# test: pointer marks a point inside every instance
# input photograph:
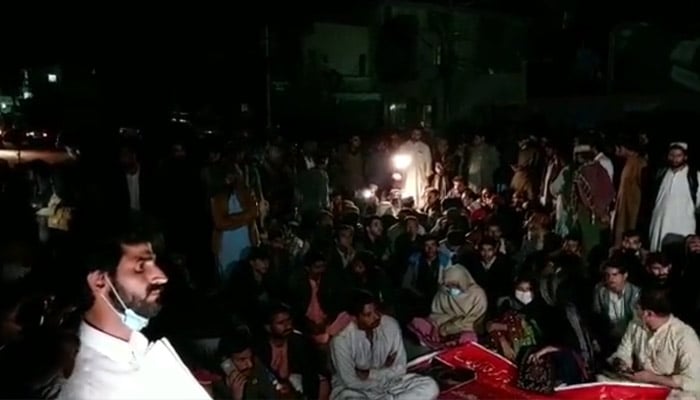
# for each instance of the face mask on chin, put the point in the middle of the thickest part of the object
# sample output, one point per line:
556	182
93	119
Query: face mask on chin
129	317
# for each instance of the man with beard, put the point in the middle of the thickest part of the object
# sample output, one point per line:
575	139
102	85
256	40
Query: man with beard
676	200
633	255
369	358
658	271
660	274
115	360
289	356
631	245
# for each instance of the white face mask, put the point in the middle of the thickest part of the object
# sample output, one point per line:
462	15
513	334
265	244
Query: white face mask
129	317
524	297
454	292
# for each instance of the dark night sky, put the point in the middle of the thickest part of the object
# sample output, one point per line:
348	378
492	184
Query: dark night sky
204	51
132	32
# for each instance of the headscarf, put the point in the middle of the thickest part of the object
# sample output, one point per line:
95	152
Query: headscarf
460	313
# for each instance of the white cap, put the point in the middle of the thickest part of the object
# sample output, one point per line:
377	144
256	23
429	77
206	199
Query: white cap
682	145
582	148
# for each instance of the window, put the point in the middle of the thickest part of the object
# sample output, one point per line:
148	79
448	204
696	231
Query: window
437	55
427	115
397	115
362	67
52	78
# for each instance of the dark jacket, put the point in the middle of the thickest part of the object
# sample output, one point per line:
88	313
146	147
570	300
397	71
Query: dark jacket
247	296
497	281
300	295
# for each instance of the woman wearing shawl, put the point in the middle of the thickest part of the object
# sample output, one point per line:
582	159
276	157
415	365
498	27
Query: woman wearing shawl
566	343
456	313
516	323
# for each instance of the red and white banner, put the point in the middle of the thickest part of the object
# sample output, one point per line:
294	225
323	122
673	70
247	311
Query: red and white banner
495	378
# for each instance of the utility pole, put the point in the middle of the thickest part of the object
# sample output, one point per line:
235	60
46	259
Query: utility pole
448	58
268	80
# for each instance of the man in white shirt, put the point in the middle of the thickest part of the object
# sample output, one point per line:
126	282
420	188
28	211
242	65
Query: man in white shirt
673	217
115	360
417	174
369	358
658	348
604	161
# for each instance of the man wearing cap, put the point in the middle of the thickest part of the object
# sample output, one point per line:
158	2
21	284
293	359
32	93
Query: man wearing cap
676	200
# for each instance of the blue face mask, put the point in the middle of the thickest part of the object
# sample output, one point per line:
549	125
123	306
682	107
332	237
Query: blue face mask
129	317
454	292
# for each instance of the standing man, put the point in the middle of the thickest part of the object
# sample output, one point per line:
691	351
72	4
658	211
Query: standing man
484	160
369	358
593	194
417	175
551	172
603	160
676	200
629	195
525	168
115	360
352	163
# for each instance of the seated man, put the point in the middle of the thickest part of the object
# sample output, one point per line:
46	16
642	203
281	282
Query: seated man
290	356
369	358
659	348
614	302
245	377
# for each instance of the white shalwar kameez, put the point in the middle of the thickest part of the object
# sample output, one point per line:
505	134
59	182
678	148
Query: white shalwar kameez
416	175
352	349
674	211
112	369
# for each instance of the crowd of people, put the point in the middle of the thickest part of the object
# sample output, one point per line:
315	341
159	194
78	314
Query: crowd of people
253	268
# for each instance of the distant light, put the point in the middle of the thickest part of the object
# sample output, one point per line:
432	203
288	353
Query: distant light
26	95
3	106
392	107
367	193
53	78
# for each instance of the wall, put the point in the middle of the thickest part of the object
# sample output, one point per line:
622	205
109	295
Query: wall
338	47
